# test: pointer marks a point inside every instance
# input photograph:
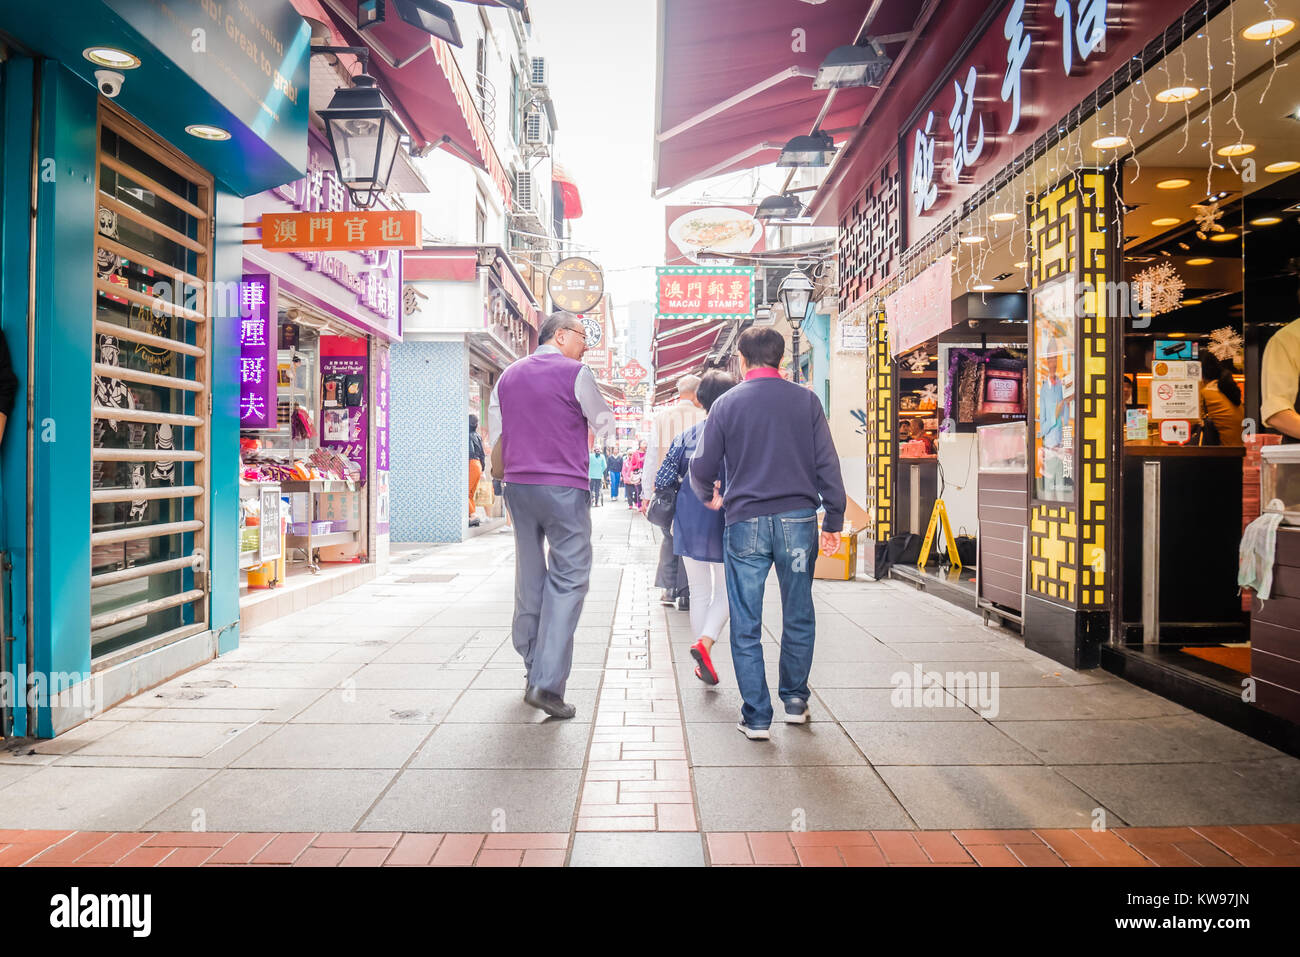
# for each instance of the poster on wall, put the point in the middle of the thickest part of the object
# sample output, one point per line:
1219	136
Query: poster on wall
984	387
1054	383
344	361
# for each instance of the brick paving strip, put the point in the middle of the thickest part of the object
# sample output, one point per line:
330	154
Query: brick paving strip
637	776
1258	845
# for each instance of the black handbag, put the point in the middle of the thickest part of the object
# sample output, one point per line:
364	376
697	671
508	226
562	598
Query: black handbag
663	507
966	549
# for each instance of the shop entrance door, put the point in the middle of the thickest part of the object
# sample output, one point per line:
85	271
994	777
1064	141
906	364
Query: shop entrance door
149	394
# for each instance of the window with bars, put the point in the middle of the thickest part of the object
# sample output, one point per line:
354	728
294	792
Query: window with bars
149	392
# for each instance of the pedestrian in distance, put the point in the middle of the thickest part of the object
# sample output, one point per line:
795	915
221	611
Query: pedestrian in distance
771	440
632	465
542	410
697	533
596	475
477	462
614	466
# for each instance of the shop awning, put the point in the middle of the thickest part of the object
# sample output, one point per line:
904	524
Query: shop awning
568	190
735	79
682	350
419	74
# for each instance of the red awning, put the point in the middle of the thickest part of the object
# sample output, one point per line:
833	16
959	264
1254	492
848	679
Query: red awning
569	190
683	350
420	76
732	90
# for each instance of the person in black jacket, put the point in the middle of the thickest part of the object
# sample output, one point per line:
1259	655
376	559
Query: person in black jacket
477	462
614	469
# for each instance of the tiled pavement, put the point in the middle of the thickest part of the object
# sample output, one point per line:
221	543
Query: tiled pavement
387	726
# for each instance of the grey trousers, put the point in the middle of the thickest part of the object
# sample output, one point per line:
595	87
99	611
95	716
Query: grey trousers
549	588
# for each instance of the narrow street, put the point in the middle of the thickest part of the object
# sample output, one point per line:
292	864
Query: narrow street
387	726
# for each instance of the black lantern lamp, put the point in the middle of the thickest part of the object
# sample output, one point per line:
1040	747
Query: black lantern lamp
852	66
780	206
796	295
364	134
816	149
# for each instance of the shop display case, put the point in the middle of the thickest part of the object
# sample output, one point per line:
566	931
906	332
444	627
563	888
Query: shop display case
1003	497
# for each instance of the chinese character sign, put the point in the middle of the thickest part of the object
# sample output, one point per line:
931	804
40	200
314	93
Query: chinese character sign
351	230
720	293
257	336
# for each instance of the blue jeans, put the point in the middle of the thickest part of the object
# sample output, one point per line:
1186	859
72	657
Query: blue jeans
614	479
751	547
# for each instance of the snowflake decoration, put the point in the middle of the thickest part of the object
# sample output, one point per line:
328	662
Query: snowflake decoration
1226	345
917	361
930	396
1159	289
1207	219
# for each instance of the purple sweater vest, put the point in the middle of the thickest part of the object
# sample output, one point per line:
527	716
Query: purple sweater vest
542	424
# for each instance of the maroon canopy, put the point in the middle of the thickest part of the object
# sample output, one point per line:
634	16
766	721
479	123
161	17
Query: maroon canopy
732	90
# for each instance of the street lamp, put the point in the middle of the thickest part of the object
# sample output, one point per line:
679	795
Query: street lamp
364	134
796	295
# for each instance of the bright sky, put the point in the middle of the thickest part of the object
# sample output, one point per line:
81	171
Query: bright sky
601	55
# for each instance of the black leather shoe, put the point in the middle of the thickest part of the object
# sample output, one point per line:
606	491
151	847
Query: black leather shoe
549	702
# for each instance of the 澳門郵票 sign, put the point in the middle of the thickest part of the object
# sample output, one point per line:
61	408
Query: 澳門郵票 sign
706	293
257	334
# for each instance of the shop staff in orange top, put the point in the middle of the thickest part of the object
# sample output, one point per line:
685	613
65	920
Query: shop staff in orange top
477	462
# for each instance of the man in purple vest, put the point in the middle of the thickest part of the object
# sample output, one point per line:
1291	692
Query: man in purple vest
541	410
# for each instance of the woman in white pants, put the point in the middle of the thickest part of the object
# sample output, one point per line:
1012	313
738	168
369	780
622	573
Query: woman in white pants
697	534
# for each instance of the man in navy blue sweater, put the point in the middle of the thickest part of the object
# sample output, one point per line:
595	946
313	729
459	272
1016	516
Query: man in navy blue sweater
781	465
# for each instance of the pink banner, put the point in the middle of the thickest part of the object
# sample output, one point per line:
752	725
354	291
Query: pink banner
921	309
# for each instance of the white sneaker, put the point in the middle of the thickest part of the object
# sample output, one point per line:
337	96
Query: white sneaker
754	734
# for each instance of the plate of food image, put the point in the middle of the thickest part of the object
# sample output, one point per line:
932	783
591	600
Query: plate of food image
717	229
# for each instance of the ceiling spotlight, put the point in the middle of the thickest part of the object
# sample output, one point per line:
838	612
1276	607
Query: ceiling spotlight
814	150
111	57
972	240
1176	183
853	66
1109	142
1269	29
780	206
206	132
1002	217
1166	221
1223	237
1177	94
1001	276
1236	149
1199	261
1023	264
982	287
1266	221
1285	166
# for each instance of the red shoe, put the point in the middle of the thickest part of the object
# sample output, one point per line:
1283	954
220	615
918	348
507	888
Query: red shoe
705	670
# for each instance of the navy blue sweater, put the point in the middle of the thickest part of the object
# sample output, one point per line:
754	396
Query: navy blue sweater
773	437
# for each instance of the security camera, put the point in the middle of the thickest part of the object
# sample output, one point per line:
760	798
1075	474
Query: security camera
109	82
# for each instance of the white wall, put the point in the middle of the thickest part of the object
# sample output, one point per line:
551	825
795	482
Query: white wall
959	459
449	307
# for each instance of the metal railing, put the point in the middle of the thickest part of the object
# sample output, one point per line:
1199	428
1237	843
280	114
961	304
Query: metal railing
487	102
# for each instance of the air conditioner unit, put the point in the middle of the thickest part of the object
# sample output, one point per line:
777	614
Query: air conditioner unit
535	129
525	197
538	71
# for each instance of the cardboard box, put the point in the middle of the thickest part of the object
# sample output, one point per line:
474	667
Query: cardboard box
843	565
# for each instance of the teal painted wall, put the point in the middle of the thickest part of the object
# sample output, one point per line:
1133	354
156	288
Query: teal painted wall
65	301
817	341
16	80
223	510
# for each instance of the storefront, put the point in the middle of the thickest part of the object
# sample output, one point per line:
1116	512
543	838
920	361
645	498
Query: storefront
122	281
468	315
1123	211
314	406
